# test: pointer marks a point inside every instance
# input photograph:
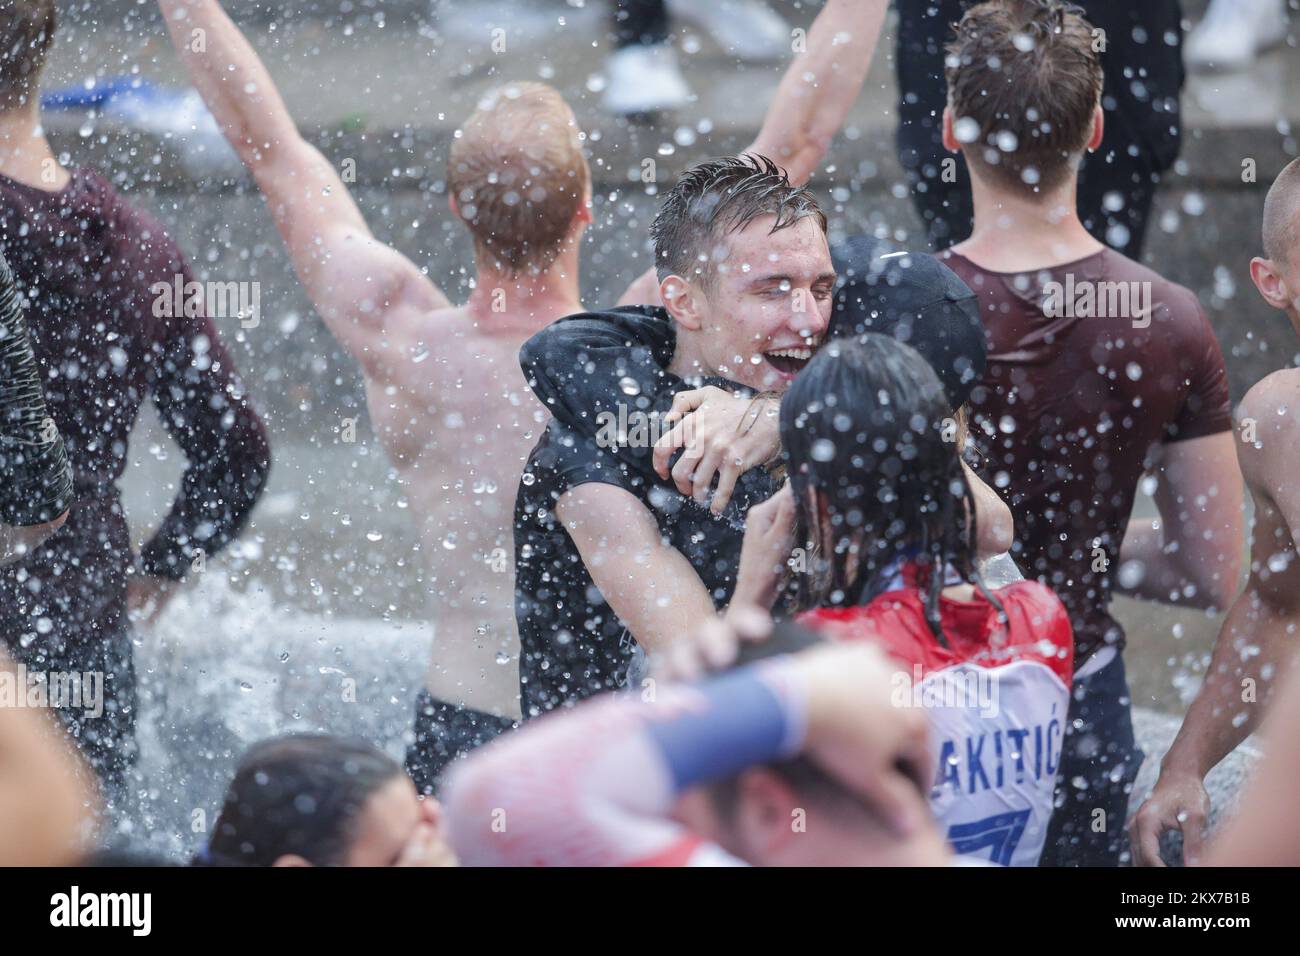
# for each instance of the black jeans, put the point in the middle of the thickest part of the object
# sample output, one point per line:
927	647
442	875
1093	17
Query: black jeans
444	732
1143	119
107	740
1099	762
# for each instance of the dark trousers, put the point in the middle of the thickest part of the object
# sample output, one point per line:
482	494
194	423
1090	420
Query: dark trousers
640	21
443	733
107	742
1099	763
1117	184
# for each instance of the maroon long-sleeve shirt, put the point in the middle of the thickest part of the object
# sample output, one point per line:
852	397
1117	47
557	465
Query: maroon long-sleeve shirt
85	261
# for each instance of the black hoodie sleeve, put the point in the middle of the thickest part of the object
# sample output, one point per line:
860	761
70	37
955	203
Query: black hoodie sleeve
584	367
35	480
588	368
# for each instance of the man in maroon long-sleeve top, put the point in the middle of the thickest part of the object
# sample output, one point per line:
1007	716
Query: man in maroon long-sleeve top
85	262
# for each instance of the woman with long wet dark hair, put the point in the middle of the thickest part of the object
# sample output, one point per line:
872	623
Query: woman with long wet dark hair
874	539
877	480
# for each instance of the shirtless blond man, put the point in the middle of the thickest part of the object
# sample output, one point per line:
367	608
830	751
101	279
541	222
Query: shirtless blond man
443	386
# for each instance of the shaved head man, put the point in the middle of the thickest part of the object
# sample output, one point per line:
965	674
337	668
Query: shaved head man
1257	645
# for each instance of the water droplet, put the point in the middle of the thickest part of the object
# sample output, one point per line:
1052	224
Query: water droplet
823	449
966	129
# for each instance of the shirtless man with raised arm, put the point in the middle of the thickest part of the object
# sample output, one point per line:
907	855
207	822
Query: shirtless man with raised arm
443	385
1258	642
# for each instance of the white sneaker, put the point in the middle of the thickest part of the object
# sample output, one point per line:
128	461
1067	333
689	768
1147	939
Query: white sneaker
644	78
1233	32
747	29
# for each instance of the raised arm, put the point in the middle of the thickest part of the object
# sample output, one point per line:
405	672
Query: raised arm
820	86
357	284
994	524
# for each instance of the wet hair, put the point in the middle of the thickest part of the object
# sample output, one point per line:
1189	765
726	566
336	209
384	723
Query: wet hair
517	173
868	429
719	197
26	34
1028	73
1282	214
301	795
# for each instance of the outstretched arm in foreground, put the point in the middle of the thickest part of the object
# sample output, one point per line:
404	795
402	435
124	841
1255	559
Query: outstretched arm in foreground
596	785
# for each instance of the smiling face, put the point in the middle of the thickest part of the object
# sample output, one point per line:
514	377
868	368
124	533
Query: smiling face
762	307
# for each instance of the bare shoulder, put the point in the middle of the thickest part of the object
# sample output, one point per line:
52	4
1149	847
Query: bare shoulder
1268	424
1273	404
426	350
